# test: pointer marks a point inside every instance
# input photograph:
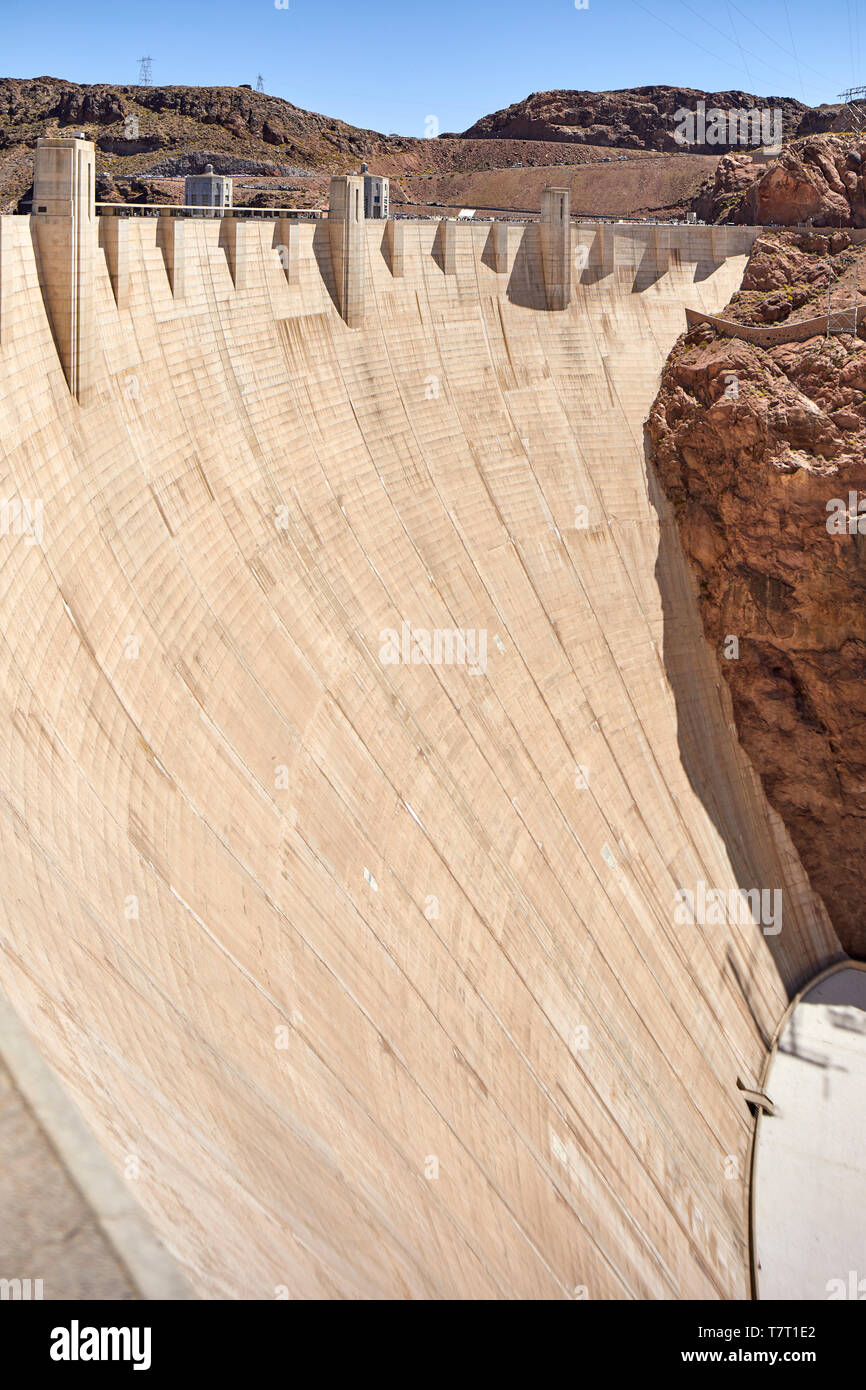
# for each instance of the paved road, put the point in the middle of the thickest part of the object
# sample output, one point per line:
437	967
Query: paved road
47	1230
67	1217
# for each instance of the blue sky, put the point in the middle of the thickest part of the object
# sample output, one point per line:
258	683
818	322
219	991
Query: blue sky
389	64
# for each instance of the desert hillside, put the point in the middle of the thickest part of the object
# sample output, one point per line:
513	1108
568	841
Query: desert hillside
616	151
640	119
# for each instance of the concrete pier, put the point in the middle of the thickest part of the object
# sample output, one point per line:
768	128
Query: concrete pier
234	236
662	244
114	240
288	247
607	240
347	243
64	220
499	239
171	238
447	239
394	247
556	246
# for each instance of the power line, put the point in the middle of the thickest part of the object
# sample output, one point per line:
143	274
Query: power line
688	39
260	83
794	46
737	37
756	56
710	25
854	39
674	30
774	40
144	72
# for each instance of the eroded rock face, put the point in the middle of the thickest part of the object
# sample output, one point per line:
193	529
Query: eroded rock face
818	179
763	455
790	274
130	123
734	174
640	118
25	107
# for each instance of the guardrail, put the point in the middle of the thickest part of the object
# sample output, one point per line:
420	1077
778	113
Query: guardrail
192	210
841	321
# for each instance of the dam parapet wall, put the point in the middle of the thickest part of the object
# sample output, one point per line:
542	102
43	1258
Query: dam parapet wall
537	264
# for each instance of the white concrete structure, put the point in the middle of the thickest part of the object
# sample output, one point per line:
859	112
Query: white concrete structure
372	957
810	1172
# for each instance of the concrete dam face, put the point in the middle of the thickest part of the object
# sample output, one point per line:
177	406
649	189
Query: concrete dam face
366	784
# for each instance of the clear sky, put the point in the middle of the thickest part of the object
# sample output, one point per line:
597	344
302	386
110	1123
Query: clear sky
389	64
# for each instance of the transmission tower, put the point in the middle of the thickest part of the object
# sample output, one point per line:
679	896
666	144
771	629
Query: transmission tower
145	75
260	83
857	113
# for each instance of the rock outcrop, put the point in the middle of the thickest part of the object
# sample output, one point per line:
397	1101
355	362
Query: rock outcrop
643	118
132	125
818	179
734	174
26	107
763	456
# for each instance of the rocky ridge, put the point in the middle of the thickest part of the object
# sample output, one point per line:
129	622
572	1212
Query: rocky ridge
638	118
139	128
818	179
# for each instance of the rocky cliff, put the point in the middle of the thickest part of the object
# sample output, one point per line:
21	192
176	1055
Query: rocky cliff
138	127
817	179
763	454
168	116
643	118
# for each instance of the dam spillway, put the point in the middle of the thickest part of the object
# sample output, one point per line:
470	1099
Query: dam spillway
374	964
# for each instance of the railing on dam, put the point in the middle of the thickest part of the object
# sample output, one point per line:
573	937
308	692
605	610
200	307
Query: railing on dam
194	210
838	321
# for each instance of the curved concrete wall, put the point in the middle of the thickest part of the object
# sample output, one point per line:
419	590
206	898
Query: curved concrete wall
376	967
841	321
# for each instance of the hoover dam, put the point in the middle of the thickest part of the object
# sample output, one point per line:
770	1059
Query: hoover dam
360	746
